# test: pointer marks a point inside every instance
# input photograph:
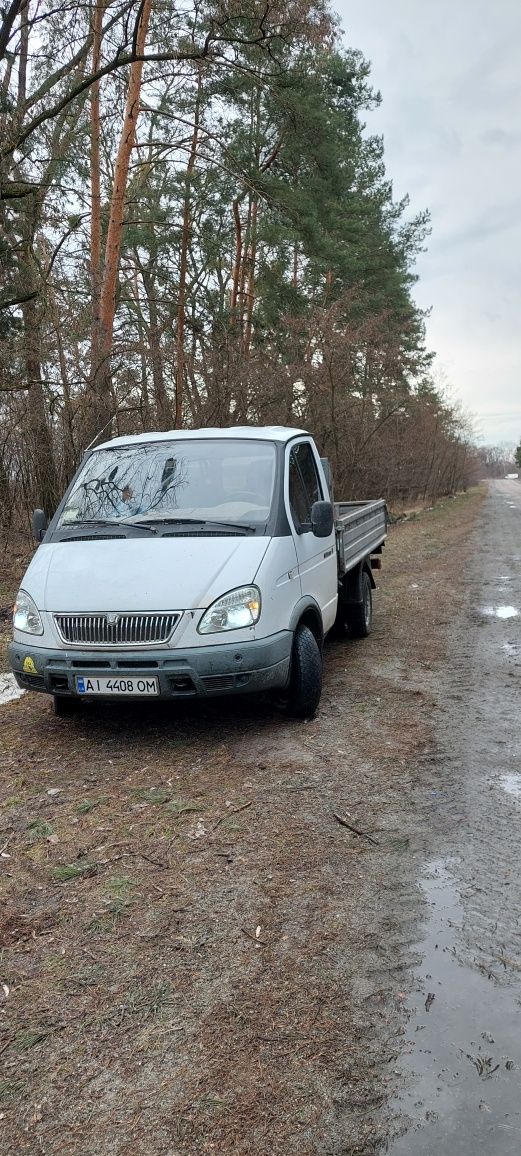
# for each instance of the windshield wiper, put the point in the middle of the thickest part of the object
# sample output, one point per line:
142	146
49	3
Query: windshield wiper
106	522
206	522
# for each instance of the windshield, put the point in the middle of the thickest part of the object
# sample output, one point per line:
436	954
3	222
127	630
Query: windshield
222	480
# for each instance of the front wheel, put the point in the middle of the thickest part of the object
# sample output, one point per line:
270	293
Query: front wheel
64	705
302	696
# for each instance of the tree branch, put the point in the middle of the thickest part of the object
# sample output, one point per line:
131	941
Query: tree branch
7	25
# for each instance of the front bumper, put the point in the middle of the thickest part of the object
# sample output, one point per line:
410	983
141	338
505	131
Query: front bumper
247	667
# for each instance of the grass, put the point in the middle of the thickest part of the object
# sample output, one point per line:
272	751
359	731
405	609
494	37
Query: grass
66	872
231	824
39	830
30	1038
13	801
89	804
119	894
10	1090
55	966
152	795
142	1003
178	807
117	900
87	977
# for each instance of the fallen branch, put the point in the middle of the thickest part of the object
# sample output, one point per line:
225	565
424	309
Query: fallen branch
355	830
6	844
303	787
280	1039
254	937
234	812
155	862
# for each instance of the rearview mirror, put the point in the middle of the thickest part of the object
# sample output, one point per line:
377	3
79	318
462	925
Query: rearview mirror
39	525
322	519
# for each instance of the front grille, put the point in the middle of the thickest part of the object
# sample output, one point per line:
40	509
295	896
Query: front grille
115	629
219	681
35	681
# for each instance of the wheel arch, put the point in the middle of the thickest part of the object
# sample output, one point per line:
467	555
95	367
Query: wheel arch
307	612
351	583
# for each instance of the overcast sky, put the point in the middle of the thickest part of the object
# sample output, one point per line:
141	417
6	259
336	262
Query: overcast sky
449	72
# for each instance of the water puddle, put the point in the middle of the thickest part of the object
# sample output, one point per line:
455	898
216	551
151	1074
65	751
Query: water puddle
500	611
463	1043
511	783
509	647
9	690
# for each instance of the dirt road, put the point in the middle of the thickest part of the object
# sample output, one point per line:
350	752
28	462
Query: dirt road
464	1046
198	958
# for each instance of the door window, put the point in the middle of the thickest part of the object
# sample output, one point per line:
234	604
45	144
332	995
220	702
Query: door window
304	485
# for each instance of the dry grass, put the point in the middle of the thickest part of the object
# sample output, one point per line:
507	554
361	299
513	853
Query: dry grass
145	1015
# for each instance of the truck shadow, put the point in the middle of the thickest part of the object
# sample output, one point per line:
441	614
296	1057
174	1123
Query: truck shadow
192	717
180	718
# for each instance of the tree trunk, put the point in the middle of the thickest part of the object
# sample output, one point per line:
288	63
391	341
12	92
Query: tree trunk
100	407
250	276
183	260
45	480
161	398
95	190
238	255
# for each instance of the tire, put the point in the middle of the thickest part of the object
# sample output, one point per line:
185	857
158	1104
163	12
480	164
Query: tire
64	705
361	617
302	695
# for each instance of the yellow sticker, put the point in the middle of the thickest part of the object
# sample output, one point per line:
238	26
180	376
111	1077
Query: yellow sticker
29	667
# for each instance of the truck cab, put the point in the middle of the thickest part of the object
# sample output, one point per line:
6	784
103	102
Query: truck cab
184	564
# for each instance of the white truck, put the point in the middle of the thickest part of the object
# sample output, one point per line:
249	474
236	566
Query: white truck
195	563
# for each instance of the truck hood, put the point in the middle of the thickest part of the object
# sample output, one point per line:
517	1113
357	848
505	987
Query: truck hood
140	574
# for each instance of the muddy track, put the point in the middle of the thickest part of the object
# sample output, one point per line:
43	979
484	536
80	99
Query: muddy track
200	958
464	1051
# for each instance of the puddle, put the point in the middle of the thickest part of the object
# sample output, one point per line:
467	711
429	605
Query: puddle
9	690
463	1043
509	648
511	783
500	611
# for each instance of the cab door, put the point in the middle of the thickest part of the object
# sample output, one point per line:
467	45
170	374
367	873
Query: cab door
316	557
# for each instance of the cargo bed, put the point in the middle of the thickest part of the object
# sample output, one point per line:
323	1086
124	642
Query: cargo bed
361	529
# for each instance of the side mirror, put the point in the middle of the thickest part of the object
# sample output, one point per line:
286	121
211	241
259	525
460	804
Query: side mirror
39	525
322	519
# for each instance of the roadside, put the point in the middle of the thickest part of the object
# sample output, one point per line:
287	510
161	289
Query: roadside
462	1054
197	956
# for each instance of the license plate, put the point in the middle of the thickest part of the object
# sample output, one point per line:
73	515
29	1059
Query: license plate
137	687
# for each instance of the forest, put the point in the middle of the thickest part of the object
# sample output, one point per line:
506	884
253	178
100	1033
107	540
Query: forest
197	228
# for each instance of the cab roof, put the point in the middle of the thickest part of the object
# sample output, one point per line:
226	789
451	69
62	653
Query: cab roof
271	433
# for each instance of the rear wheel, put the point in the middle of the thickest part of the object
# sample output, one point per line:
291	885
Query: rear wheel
302	696
64	705
361	616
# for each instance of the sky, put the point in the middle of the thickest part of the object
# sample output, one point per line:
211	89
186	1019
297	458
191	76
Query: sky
449	72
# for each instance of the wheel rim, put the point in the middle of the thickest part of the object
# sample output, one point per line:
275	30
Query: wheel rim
367	606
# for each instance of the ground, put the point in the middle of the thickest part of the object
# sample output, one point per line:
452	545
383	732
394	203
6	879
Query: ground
198	956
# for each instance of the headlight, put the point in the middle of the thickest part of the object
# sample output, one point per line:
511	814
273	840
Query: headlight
25	615
233	611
